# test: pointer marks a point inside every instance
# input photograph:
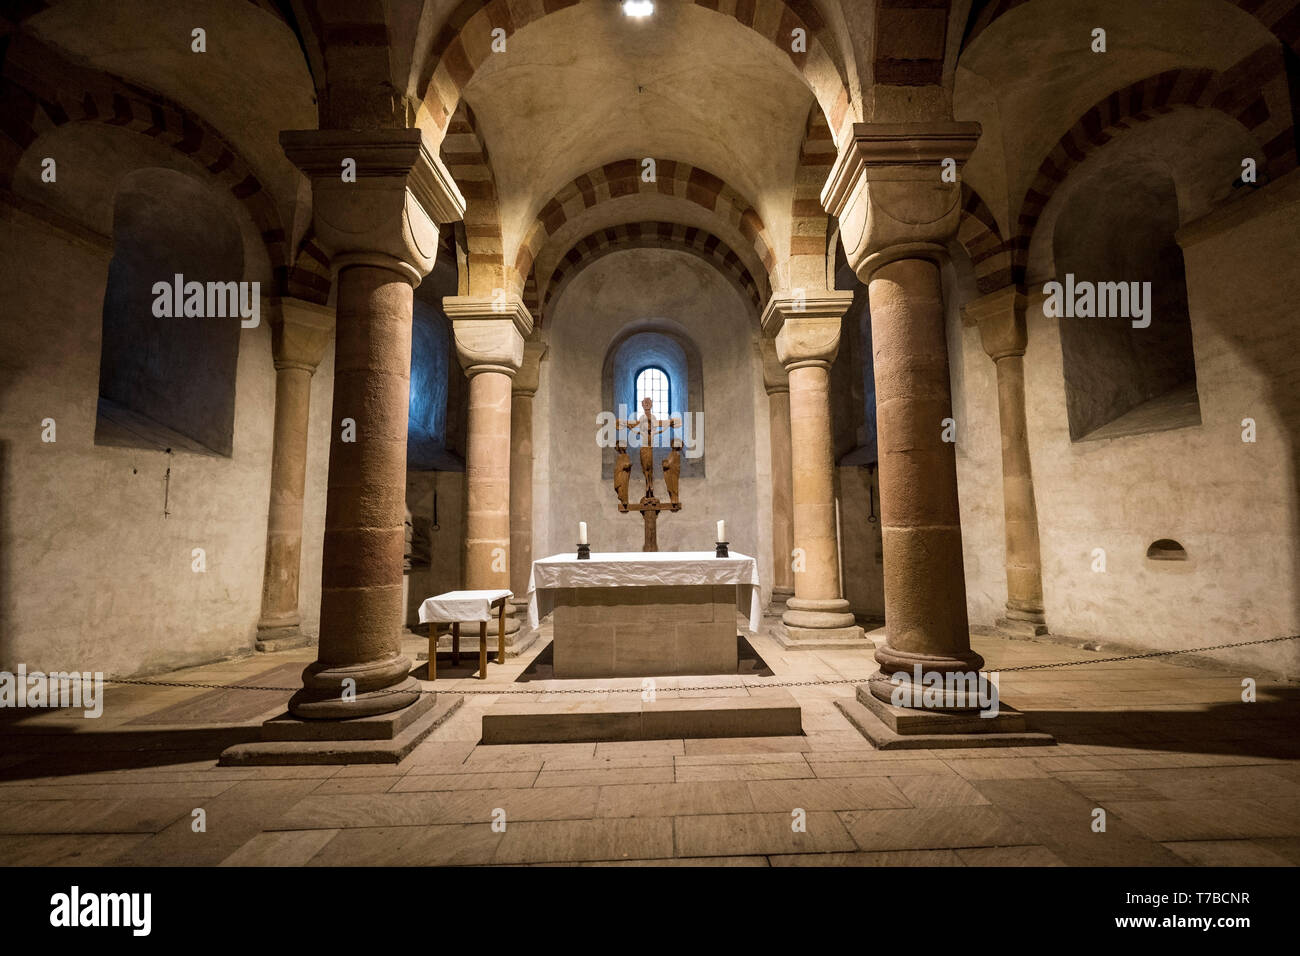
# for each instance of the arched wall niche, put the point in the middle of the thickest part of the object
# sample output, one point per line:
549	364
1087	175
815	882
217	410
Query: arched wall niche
1135	372
1200	150
1114	219
662	345
93	162
168	382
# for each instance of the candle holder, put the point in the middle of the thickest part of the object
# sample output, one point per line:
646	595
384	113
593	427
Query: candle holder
722	550
584	552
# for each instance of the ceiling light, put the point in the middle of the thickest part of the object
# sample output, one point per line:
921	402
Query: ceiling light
638	8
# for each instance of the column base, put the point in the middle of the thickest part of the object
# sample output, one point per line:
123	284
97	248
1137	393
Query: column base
355	690
1022	625
812	638
779	598
888	727
270	639
381	738
814	623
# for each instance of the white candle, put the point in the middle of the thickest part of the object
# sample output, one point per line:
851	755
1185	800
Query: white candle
582	532
722	531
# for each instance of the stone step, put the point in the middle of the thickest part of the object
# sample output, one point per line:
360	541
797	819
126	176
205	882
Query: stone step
322	742
627	717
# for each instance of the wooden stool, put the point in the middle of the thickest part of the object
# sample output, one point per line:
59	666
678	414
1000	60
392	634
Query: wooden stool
456	607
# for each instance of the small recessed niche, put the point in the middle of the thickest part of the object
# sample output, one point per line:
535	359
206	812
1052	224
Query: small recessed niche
1166	549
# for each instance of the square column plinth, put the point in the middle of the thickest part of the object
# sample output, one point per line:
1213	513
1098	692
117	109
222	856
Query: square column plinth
652	631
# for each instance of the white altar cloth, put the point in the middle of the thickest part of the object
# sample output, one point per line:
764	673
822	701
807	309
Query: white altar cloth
618	569
460	607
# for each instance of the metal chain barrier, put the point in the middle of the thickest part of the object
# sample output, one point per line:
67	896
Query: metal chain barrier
638	690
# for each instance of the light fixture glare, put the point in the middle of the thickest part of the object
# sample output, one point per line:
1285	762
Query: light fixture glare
638	8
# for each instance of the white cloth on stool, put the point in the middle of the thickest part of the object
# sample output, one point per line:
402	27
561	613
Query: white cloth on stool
644	569
460	607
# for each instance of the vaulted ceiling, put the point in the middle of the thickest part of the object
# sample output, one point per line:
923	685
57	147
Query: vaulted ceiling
546	110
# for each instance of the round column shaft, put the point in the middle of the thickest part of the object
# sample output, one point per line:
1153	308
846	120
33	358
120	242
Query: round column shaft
925	589
521	492
487	468
284	515
778	403
360	669
1024	575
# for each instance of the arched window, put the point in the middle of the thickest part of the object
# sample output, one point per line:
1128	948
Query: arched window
663	364
652	383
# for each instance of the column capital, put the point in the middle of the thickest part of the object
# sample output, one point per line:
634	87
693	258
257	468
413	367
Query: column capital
300	333
1000	316
389	216
888	192
526	379
775	378
489	331
805	327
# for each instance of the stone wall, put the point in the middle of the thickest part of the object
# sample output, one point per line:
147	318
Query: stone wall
444	570
92	575
1231	504
666	289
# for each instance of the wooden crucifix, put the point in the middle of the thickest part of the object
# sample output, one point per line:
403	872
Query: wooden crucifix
648	428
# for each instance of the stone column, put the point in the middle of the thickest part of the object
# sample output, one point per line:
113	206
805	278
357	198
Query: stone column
777	384
382	236
897	211
807	338
522	390
490	345
1000	316
300	333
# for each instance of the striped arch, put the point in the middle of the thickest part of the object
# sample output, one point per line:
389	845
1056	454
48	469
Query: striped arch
623	178
1279	17
806	266
654	235
464	43
466	159
1253	92
310	277
980	236
41	92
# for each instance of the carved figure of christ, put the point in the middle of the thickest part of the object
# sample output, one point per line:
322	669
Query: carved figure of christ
648	428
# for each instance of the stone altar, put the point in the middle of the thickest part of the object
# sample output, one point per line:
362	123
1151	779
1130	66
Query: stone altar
644	614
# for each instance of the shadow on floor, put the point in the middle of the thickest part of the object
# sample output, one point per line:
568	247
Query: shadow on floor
60	753
1266	728
751	664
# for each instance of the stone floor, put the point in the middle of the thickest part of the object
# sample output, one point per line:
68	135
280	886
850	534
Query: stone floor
1186	774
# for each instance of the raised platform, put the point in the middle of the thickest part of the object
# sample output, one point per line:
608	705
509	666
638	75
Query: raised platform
383	738
905	728
627	717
